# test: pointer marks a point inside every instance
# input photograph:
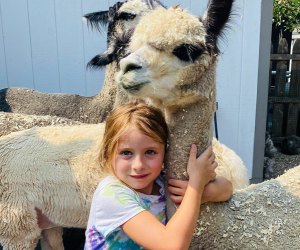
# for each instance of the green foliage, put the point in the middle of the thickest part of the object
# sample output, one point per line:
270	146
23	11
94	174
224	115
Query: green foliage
286	13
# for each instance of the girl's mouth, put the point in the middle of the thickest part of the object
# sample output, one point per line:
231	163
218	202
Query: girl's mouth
139	176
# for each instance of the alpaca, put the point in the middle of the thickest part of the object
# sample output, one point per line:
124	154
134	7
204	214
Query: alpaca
60	172
172	63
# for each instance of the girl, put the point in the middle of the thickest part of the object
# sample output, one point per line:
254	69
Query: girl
128	207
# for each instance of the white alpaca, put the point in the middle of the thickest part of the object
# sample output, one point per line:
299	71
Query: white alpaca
172	62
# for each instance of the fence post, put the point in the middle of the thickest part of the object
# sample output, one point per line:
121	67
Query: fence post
280	85
293	110
295	72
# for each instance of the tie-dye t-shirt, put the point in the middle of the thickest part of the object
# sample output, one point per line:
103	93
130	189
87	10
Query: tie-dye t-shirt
113	204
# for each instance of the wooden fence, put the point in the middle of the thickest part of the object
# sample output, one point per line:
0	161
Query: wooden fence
284	92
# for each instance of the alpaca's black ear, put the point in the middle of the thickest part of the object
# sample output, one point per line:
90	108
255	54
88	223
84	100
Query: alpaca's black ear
215	19
97	20
153	4
115	52
100	61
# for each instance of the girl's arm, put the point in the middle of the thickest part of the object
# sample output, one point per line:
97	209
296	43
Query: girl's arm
218	190
148	232
215	191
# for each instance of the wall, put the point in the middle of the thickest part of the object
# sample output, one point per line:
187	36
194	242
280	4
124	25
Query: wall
45	45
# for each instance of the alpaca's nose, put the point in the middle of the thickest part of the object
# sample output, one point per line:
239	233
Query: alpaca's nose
128	64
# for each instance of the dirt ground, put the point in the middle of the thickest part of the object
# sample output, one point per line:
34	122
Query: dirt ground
283	162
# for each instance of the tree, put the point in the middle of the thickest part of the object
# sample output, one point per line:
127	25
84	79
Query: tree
286	14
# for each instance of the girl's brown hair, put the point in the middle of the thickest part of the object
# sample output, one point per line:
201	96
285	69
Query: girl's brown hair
148	119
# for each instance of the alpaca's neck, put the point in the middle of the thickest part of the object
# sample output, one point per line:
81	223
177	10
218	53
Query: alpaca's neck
191	123
100	105
109	85
188	125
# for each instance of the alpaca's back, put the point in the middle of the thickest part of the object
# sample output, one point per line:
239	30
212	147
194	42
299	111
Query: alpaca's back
54	169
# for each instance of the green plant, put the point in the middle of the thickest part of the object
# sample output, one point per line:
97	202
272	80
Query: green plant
286	14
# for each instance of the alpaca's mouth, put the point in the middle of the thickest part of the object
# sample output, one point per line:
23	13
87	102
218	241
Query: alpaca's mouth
133	88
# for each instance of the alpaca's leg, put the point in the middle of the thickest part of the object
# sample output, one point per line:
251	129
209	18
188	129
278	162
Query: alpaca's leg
18	226
52	239
25	244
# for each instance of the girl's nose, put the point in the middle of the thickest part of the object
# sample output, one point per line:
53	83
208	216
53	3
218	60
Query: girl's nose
137	163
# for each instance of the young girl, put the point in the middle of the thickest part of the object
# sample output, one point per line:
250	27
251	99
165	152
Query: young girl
128	207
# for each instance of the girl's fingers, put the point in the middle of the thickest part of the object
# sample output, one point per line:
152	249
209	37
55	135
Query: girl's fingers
176	190
193	152
176	199
215	164
177	183
212	158
207	153
177	187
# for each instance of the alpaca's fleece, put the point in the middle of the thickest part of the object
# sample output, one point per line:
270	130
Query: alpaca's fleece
230	165
180	27
135	7
261	216
55	169
13	122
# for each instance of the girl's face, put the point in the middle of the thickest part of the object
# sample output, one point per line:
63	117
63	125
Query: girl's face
138	160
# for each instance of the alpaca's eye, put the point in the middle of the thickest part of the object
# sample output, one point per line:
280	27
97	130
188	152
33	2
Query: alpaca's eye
126	16
187	52
155	47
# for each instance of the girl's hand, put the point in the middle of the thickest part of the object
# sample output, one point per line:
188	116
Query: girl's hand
201	170
215	191
177	190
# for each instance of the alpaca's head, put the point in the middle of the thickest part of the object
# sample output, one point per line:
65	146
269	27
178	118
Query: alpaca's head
172	55
120	19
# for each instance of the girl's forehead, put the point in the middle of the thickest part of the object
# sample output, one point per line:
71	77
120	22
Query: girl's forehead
132	133
128	129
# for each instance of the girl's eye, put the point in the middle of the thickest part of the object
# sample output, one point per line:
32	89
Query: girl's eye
126	153
150	152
